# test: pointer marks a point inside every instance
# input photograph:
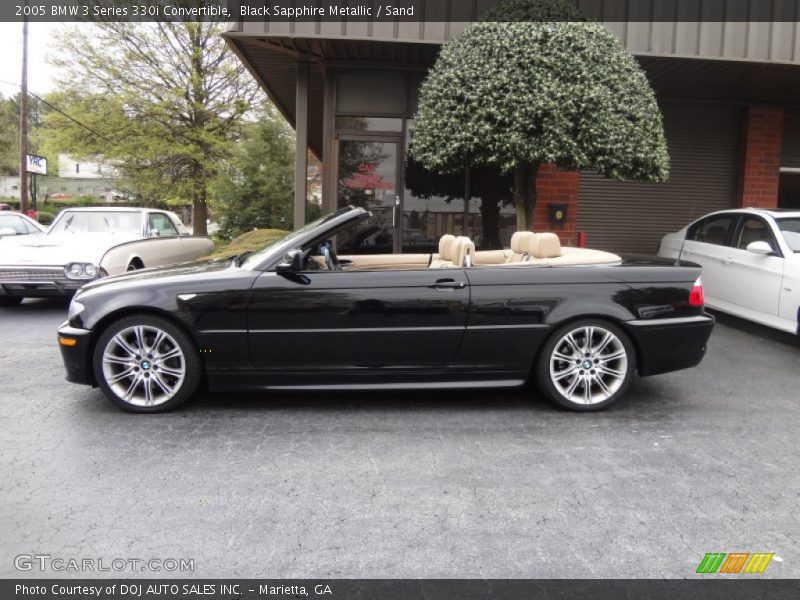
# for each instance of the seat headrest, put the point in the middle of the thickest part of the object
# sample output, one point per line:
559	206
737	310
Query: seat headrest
447	247
465	252
545	245
520	242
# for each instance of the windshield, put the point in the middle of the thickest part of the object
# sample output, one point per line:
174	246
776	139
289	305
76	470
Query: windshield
255	258
790	228
97	222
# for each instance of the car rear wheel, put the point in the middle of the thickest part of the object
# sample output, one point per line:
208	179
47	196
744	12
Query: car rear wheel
586	365
146	364
134	265
10	300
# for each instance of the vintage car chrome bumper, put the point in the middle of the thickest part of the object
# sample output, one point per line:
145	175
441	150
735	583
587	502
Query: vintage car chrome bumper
38	282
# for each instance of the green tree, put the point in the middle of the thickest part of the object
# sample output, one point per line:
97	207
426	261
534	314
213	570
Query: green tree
163	101
9	131
535	83
255	189
9	137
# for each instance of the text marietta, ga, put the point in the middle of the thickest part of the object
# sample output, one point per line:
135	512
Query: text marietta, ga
333	10
159	589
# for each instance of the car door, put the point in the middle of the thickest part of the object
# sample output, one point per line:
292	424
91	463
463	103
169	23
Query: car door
753	281
167	245
708	244
356	322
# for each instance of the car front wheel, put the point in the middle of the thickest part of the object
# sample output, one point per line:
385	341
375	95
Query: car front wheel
146	364
586	365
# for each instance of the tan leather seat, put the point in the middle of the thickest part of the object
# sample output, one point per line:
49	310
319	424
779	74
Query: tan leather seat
485	258
545	245
465	252
447	252
520	246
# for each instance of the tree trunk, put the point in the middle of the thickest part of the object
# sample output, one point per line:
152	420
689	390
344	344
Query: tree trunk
200	208
490	217
525	194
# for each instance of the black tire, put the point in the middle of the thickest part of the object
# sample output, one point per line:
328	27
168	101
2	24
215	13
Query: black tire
601	379
10	300
176	337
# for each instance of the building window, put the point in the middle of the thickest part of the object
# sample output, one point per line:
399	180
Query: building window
77	168
373	128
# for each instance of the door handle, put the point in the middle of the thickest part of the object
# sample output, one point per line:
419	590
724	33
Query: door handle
448	284
727	261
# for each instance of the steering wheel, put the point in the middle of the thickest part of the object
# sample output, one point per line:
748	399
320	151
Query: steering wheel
330	257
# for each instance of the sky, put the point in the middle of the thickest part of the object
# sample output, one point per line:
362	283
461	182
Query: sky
41	44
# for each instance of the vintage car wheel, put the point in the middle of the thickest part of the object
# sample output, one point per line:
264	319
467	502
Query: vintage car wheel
10	300
586	365
146	364
134	265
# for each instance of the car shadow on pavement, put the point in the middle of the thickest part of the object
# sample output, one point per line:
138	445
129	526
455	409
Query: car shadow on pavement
641	396
30	305
756	329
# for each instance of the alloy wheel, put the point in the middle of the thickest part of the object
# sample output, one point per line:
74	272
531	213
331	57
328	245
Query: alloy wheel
588	365
143	365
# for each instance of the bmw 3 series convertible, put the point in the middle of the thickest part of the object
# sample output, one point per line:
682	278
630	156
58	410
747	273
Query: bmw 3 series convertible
577	323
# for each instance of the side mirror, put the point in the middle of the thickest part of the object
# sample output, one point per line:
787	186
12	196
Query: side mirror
154	233
292	262
762	248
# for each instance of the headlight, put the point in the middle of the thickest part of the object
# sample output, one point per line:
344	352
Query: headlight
81	271
75	308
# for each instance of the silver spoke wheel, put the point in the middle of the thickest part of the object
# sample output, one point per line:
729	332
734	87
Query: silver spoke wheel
588	365
143	365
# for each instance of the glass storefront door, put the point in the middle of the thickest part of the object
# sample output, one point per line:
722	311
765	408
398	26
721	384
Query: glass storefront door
369	177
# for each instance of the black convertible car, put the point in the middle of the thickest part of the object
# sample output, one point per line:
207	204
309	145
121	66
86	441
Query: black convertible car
579	323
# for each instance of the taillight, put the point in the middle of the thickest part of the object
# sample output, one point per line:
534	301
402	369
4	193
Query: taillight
696	297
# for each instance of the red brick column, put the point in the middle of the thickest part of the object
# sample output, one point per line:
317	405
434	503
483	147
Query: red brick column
561	187
761	157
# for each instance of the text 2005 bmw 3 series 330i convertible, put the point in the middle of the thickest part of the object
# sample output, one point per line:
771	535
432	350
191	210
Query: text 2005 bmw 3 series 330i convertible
578	323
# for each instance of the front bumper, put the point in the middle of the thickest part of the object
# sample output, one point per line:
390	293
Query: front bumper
667	345
76	349
38	282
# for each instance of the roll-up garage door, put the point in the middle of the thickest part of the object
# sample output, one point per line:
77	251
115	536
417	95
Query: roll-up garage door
631	217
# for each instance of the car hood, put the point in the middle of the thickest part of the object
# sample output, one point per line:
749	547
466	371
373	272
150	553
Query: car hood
200	269
60	249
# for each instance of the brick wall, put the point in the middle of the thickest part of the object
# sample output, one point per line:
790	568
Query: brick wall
761	157
561	187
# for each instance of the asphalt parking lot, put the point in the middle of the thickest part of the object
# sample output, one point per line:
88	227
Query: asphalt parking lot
483	484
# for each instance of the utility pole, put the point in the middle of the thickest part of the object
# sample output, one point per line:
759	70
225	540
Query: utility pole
23	122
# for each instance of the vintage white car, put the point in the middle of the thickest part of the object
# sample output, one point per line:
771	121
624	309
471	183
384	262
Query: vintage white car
750	260
14	223
84	244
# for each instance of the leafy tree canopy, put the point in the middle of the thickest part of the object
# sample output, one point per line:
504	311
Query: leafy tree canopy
255	187
515	93
163	101
506	93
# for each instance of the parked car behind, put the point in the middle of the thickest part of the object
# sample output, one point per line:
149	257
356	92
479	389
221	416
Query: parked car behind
13	224
750	260
84	244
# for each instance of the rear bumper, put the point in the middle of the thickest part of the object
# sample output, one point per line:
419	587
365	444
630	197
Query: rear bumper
670	344
77	358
